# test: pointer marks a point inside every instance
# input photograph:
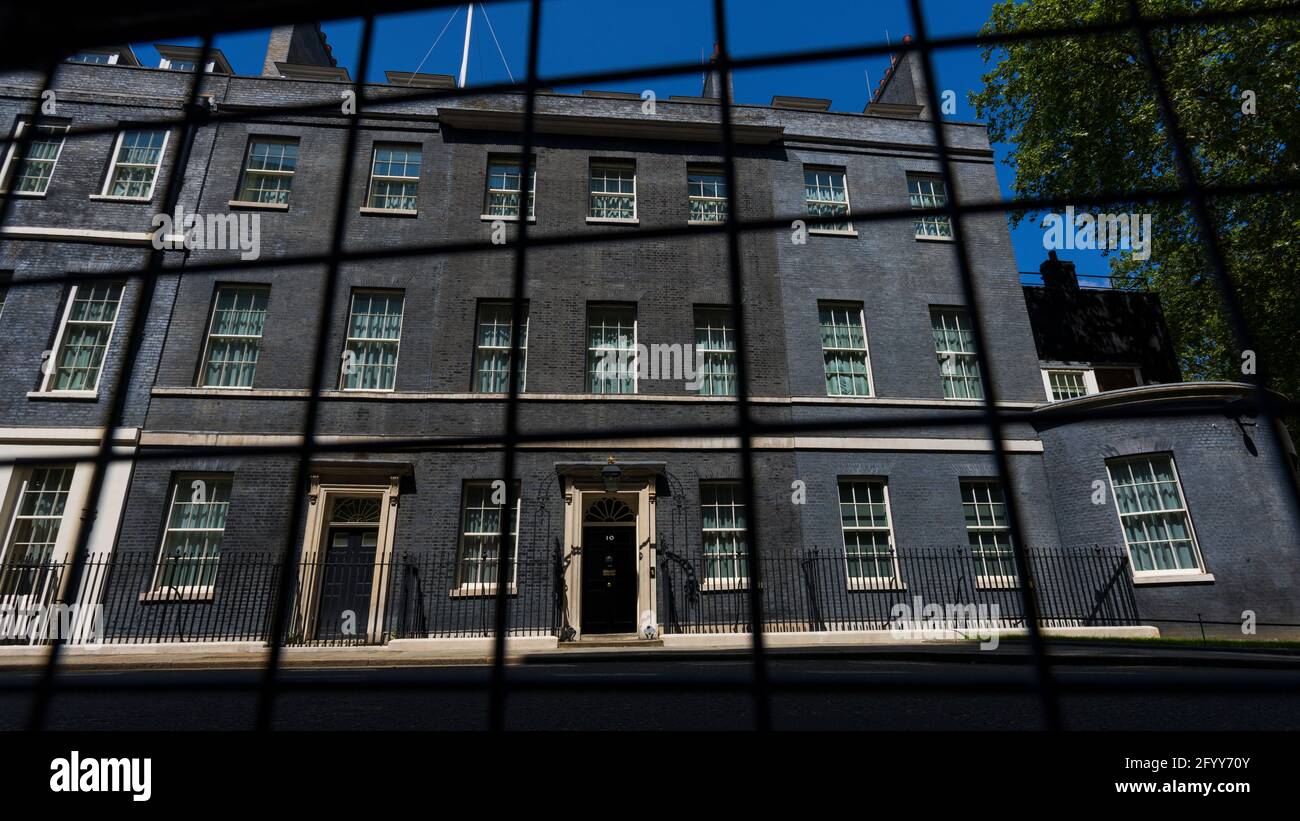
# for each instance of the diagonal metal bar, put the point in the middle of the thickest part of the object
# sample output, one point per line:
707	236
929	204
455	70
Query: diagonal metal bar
286	585
1029	596
116	409
505	563
744	423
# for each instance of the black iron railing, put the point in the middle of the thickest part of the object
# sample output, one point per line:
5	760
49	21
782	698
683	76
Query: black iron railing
820	590
123	598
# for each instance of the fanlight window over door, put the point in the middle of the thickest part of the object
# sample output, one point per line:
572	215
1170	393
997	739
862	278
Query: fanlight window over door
355	510
610	510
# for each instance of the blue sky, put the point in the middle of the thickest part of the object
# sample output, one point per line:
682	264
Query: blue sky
597	35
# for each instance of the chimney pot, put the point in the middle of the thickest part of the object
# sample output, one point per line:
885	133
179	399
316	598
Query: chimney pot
1058	273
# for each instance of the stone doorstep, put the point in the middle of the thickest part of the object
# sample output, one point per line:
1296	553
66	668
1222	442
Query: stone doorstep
408	652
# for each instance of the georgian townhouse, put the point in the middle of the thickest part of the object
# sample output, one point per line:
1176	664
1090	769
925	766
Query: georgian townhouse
854	324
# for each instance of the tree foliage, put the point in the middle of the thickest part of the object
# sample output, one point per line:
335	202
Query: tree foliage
1081	115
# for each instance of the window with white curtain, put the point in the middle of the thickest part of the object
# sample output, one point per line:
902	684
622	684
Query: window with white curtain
197	510
706	193
988	531
715	346
137	156
34	526
827	194
234	337
611	349
1153	515
29	174
394	178
868	537
269	167
83	337
492	348
481	536
505	186
844	349
954	345
373	336
613	191
929	192
726	544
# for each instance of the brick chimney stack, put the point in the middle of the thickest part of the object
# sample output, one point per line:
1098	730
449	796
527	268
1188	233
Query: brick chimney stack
1058	273
301	44
713	81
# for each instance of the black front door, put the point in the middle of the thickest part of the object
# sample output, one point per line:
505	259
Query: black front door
608	580
347	572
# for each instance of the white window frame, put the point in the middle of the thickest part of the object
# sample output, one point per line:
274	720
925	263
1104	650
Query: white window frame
374	177
254	139
117	153
734	582
618	165
207	341
1199	570
50	371
865	350
188	479
983	580
348	339
962	315
938	221
727	329
709	170
488	190
633	363
22	476
482	588
826	228
1089	374
479	347
13	164
869	582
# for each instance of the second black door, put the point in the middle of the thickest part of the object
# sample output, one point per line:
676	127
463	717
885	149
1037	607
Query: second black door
347	574
608	580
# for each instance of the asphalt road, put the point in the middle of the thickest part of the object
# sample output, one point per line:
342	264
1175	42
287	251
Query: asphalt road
839	693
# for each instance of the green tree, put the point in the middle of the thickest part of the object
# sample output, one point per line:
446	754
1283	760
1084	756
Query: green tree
1082	118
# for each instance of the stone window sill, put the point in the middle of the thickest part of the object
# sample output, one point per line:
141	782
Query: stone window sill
259	206
503	218
1192	577
111	198
389	212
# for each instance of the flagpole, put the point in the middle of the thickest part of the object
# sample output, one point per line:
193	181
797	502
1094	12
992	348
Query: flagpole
464	56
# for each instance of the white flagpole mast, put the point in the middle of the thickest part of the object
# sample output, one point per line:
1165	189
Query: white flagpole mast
464	56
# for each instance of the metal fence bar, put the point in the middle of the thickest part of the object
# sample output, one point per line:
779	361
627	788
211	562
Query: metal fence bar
118	395
1042	669
497	701
302	477
744	422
